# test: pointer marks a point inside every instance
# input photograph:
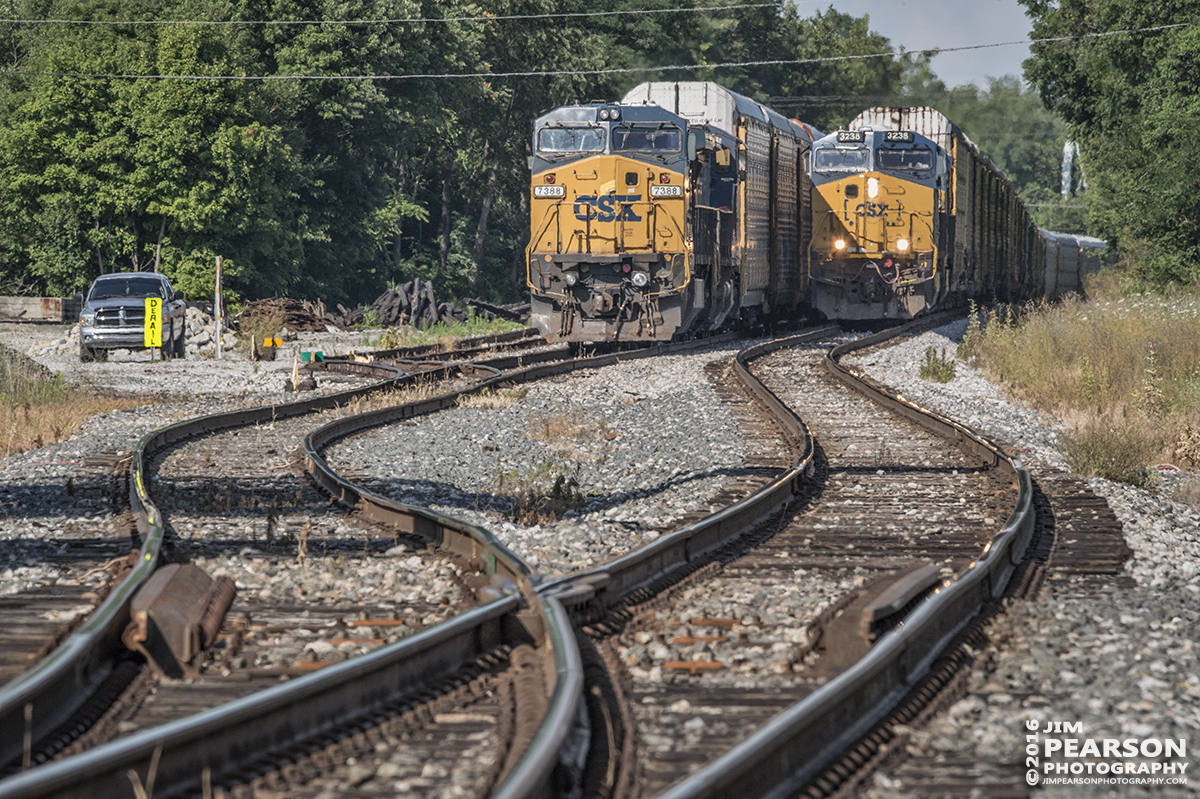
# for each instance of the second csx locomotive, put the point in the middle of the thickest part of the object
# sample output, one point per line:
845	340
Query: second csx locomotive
676	210
879	224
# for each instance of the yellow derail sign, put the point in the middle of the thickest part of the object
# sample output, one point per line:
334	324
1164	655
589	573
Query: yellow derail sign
153	331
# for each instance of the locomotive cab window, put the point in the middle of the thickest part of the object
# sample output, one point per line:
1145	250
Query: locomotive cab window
841	160
647	138
917	160
570	140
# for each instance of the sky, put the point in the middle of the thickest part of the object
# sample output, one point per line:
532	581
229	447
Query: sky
924	24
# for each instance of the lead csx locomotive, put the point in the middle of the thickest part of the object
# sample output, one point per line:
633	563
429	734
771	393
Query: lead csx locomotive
687	207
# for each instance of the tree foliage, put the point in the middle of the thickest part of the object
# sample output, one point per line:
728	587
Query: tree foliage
1133	102
1012	127
333	169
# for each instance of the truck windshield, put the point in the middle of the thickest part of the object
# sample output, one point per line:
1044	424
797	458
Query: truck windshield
911	160
647	138
130	287
841	160
570	140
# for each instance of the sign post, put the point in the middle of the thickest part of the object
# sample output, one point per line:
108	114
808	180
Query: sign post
218	310
152	331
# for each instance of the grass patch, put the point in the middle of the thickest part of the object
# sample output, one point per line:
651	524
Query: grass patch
937	367
257	327
1122	370
562	426
542	492
37	408
489	398
447	335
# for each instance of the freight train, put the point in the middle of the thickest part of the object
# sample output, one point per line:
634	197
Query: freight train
686	207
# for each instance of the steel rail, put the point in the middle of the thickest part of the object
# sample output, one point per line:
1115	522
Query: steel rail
212	744
533	774
40	700
604	587
800	742
534	771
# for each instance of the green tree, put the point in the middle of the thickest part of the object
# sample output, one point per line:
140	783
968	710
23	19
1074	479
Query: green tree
1012	127
1132	100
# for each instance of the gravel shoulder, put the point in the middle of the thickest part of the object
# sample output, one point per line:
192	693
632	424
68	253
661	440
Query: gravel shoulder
1124	664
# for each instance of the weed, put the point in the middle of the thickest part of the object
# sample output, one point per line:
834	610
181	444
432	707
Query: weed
973	333
1187	490
487	398
563	426
937	367
260	326
1114	447
38	408
541	493
1122	368
302	541
393	338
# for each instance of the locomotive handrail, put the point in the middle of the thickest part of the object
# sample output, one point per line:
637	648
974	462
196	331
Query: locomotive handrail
801	741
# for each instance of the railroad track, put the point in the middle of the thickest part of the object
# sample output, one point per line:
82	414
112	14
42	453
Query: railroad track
91	551
87	556
784	499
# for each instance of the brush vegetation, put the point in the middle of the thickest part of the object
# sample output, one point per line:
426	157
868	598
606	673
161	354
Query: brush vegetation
37	408
1121	369
445	334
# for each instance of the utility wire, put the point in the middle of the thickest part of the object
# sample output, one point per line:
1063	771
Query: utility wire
586	72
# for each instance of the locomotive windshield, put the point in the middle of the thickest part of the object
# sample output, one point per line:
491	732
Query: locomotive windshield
571	140
647	138
899	160
842	160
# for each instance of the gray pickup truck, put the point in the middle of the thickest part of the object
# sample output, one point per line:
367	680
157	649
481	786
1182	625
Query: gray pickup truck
113	315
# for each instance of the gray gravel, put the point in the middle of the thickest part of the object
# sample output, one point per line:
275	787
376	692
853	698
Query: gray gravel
1124	664
645	441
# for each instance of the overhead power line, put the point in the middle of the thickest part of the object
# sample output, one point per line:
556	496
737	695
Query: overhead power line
587	72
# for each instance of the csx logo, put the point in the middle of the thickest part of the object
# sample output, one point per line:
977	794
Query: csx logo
607	208
870	209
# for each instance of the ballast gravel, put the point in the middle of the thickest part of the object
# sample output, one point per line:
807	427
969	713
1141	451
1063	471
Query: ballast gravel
1123	664
631	447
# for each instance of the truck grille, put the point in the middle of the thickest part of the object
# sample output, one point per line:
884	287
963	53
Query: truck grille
121	317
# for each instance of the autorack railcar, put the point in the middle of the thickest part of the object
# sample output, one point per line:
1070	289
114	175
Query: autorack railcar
986	246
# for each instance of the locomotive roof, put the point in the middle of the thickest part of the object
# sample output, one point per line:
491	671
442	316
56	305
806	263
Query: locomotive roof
589	113
710	103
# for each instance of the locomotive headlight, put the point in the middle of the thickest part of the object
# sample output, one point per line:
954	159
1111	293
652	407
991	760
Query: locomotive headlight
571	278
872	187
902	245
604	114
840	244
640	279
